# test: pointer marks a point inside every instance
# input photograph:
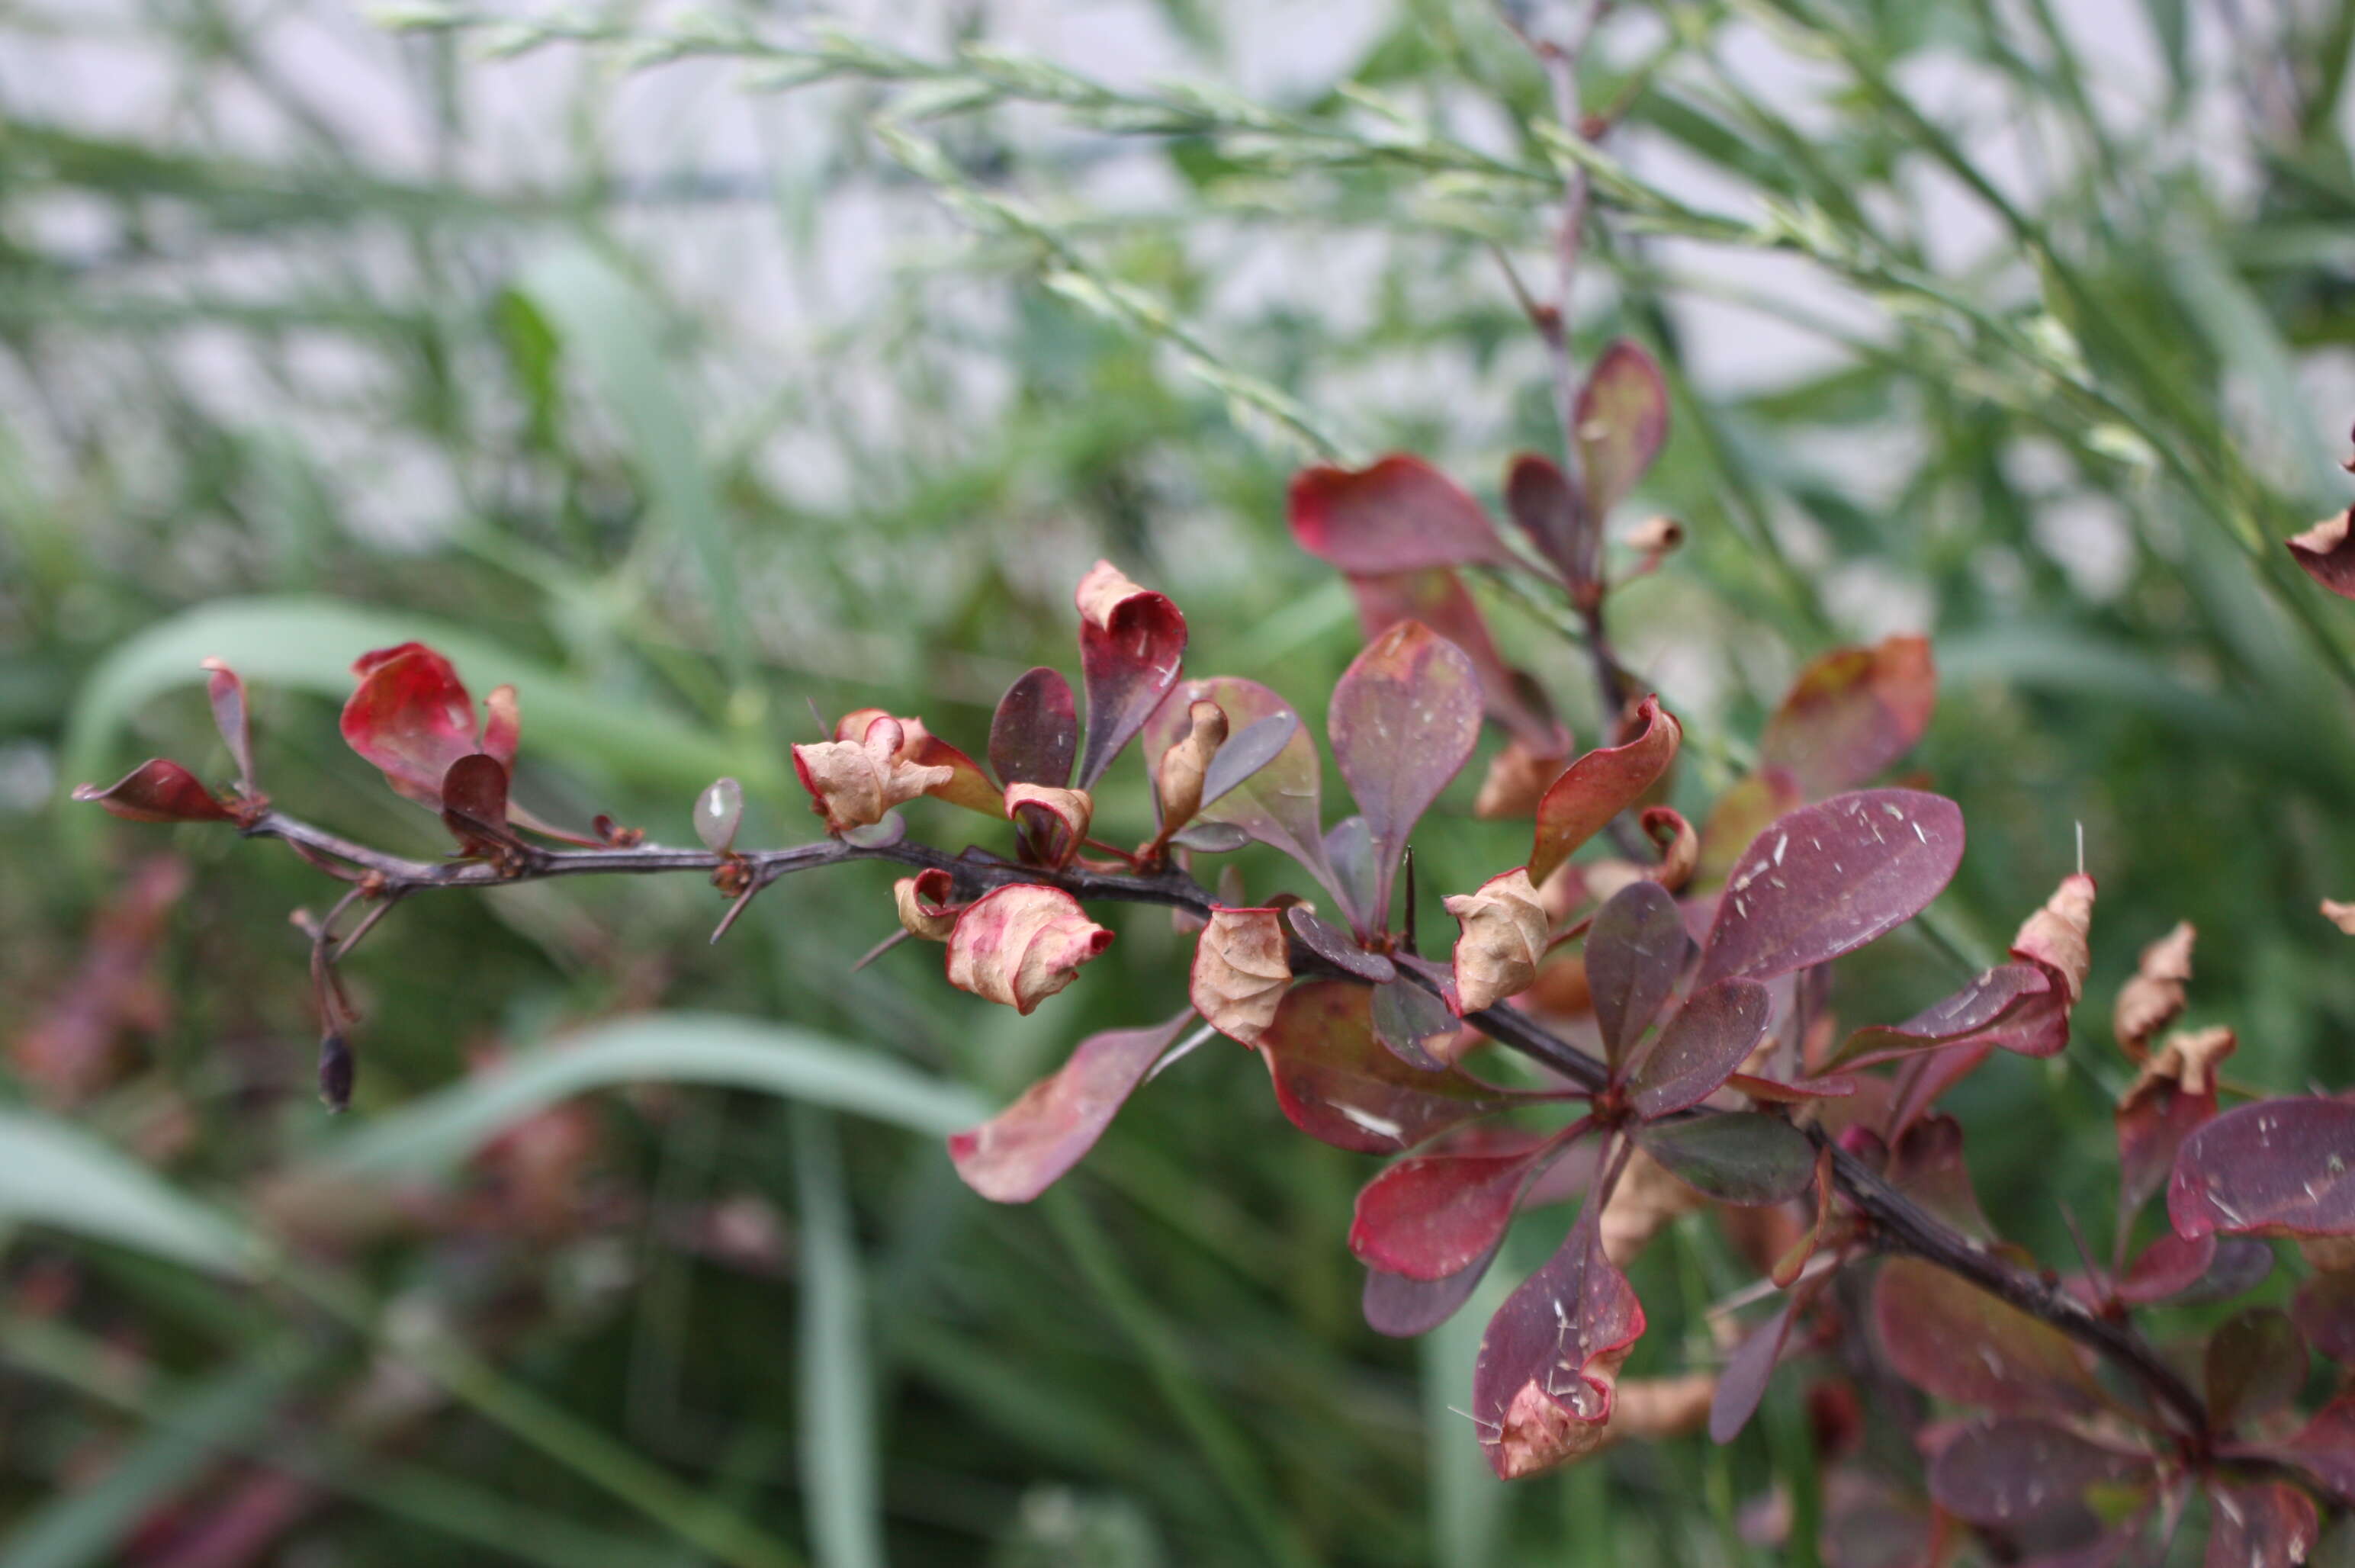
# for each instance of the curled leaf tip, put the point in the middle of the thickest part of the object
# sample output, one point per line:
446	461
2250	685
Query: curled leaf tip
1503	939
1021	944
1242	968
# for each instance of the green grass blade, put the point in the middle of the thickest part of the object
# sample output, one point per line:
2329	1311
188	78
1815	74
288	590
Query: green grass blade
55	1174
839	1455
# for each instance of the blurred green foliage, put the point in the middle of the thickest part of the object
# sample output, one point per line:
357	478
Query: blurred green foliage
692	370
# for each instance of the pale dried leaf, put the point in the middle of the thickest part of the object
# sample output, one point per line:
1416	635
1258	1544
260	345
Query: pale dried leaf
1242	969
1504	936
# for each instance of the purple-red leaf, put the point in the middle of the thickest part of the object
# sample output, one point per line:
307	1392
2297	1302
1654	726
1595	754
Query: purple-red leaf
1700	1047
1401	515
1951	1338
1034	737
1540	500
2014	1006
1551	1356
2327	553
1338	947
157	790
1335	1083
1407	1018
2168	1266
1623	420
1403	1307
2277	1167
1826	879
227	693
2259	1522
1026	1149
1277	804
2324	1447
1742	1385
1132	641
1851	714
475	803
2241	1264
1403	720
1599	786
2152	1123
2004	1472
1437	598
2257	1363
2324	1312
1734	1156
1927	1164
1436	1214
1635	950
412	717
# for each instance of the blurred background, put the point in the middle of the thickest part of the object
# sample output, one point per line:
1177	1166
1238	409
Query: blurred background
692	369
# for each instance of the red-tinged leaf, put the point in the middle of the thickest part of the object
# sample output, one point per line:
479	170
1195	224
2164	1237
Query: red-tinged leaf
1021	943
2326	553
1733	1156
2016	1007
1132	642
1338	947
412	717
1951	1338
2241	1264
1403	1307
2257	1524
968	785
1739	816
1927	1164
1034	737
1335	1083
1826	879
2325	1312
1540	500
1551	1352
1401	515
2171	1266
1436	1214
1027	1148
2152	1123
1622	420
157	790
1924	1078
2005	1472
1278	802
475	803
1408	1019
1741	1386
2257	1364
231	717
1851	713
1600	785
1635	952
2277	1167
1700	1047
1404	718
1437	598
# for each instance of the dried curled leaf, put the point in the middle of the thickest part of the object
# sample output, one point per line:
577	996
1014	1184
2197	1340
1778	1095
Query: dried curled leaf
1242	967
1185	765
1503	938
923	904
2056	935
2188	1059
2326	553
852	782
1517	780
1022	943
1543	1390
1055	820
967	785
2154	998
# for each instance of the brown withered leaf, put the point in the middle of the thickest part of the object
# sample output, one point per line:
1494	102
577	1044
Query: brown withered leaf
2341	915
1503	937
1517	780
1185	765
852	782
2154	998
2187	1057
1242	968
2326	553
1646	1201
1022	943
2057	935
923	906
1055	820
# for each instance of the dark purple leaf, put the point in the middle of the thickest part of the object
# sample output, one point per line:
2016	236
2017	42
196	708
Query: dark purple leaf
1531	1389
2258	1523
1826	879
1433	1216
1438	599
475	803
1734	1156
2277	1167
1599	786
1338	947
2241	1264
1403	720
2326	553
2257	1364
2014	1006
1246	751
1698	1048
1635	950
157	790
1622	419
1851	714
1132	642
1350	852
1406	1017
1540	500
1403	1307
1034	737
2005	1472
1278	803
2152	1123
2325	1312
1951	1338
1335	1083
2168	1266
1742	1385
1025	1148
1399	515
1926	1165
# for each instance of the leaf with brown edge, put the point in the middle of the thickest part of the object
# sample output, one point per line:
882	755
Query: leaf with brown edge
1541	1391
157	790
1403	720
965	784
2324	1312
1021	944
1851	714
1132	642
2005	1471
1335	1081
1517	779
1825	880
475	804
1539	497
2326	553
1242	969
1024	1149
1437	598
1600	785
2255	1365
2277	1167
1399	515
1950	1339
2260	1522
1733	1156
412	717
1742	1387
1277	802
1436	1214
1622	422
1034	736
1636	950
1700	1047
225	691
2018	1007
